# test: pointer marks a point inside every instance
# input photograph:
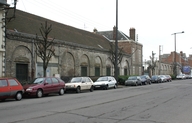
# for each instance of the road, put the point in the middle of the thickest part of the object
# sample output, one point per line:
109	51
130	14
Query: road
157	103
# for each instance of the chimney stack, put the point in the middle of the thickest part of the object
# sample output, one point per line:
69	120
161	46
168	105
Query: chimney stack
132	33
114	32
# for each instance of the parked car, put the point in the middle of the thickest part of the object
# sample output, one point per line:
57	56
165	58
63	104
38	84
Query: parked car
105	82
155	79
181	76
188	76
10	88
133	80
163	78
45	85
145	79
169	79
79	84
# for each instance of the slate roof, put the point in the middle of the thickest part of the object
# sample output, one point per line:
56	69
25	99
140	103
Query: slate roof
29	23
3	2
109	35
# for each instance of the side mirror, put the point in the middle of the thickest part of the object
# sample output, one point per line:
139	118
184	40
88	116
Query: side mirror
46	83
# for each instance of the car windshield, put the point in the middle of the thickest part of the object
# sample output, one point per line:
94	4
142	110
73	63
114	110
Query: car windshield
102	79
76	80
143	77
154	77
132	78
38	80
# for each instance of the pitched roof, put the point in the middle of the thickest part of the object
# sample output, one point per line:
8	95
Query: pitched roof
109	35
29	23
3	2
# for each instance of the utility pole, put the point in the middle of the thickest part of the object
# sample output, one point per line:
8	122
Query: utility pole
175	60
116	42
159	59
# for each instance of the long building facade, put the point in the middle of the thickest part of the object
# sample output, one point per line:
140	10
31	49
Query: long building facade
77	52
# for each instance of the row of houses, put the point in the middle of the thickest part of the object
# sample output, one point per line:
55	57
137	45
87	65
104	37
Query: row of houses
165	64
77	52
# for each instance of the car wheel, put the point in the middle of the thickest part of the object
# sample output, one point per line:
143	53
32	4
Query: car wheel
3	100
78	90
106	87
18	96
61	91
115	86
149	82
91	89
39	93
136	84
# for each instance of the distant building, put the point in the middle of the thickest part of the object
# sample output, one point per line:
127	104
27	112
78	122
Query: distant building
183	63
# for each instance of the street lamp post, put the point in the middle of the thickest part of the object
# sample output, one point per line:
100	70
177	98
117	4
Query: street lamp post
175	64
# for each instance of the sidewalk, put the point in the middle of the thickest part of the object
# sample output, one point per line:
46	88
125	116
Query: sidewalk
121	86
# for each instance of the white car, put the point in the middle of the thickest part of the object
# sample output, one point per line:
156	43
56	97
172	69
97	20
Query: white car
79	84
105	82
181	76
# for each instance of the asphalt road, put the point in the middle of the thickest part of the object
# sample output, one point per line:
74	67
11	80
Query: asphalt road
157	103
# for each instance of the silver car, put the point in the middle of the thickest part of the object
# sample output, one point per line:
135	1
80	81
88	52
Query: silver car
133	80
105	82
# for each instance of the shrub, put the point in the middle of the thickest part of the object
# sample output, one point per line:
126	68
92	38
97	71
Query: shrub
122	79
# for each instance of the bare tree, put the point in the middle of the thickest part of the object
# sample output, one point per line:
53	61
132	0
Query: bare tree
120	54
119	57
44	45
152	64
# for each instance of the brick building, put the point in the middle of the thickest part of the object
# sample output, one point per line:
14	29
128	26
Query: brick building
181	61
130	46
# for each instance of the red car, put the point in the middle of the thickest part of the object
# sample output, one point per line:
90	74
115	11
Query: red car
10	88
44	86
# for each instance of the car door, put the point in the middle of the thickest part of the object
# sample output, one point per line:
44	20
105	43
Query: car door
4	89
56	85
83	83
13	85
48	87
112	81
88	81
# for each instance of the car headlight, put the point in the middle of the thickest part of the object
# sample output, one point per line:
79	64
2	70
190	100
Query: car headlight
29	89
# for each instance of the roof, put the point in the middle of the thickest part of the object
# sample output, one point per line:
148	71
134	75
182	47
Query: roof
29	23
3	2
109	35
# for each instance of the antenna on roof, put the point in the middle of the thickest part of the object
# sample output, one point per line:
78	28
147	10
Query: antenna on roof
137	38
85	26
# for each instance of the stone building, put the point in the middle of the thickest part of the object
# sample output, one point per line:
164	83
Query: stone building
78	52
3	5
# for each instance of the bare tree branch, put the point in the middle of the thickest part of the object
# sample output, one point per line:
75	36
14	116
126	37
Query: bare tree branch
45	45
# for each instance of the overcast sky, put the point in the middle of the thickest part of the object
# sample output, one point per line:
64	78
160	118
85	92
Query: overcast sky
154	20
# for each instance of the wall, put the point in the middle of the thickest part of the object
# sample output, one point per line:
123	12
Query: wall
2	42
67	62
